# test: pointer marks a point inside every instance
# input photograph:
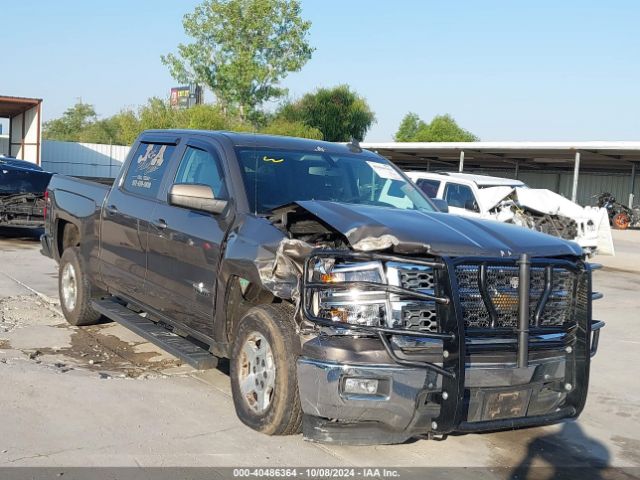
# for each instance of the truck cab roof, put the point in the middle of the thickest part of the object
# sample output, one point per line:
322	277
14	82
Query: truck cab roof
249	139
482	181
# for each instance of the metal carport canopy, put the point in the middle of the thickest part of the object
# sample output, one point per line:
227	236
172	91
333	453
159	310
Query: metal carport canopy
594	156
605	157
12	106
24	126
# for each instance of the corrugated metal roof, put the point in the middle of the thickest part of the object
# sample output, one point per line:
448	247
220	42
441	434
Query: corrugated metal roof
12	106
595	155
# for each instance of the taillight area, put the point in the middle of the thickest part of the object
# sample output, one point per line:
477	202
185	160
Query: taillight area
46	204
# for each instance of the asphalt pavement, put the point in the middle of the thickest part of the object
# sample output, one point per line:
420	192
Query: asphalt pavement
627	249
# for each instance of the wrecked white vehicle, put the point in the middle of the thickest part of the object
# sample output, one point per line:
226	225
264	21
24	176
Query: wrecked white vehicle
511	201
350	311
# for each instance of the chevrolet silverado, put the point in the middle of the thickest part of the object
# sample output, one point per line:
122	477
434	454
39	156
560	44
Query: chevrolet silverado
353	316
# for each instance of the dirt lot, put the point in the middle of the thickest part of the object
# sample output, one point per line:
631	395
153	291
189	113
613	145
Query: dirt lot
102	396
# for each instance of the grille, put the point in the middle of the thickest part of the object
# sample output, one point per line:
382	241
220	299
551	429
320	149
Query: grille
420	317
502	291
409	313
416	279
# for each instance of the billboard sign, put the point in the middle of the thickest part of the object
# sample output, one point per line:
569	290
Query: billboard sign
185	96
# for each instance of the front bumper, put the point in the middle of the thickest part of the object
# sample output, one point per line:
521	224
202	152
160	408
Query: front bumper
460	378
409	401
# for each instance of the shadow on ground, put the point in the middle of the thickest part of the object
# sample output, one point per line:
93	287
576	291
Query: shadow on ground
569	453
17	233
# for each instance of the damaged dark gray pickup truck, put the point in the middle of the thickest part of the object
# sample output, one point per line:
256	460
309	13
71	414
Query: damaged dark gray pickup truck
348	305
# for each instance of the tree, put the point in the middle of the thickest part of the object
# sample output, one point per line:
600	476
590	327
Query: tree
158	114
292	129
409	127
339	113
242	49
128	127
211	117
443	128
80	123
101	131
206	117
68	127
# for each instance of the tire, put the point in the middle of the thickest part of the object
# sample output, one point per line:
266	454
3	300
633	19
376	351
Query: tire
621	221
277	410
75	289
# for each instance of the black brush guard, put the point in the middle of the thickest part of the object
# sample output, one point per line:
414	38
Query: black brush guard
583	335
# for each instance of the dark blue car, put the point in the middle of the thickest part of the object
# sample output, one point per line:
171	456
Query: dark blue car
14	162
22	191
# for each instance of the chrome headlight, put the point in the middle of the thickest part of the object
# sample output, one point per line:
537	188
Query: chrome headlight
352	305
331	272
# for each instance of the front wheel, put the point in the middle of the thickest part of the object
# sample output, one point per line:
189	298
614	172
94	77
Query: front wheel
75	289
263	370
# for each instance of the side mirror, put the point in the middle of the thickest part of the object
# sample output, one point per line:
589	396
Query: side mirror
440	204
196	197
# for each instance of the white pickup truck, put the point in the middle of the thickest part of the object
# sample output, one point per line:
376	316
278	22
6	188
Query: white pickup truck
512	201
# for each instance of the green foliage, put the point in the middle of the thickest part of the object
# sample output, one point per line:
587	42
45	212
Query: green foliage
158	114
292	129
73	121
102	131
206	117
336	114
127	126
123	127
241	50
443	128
409	128
339	113
80	124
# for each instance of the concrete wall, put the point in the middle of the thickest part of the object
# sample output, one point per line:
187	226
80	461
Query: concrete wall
25	135
83	159
4	144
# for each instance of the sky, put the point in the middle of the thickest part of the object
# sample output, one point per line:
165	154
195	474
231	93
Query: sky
505	70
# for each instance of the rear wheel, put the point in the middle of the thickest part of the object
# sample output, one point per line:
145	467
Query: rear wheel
621	221
75	289
263	370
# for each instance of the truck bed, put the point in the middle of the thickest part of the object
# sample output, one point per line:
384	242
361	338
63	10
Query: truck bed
90	189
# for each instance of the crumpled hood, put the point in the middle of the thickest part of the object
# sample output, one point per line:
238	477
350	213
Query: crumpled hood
369	228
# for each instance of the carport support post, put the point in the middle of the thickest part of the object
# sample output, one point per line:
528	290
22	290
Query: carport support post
576	172
461	165
517	169
632	184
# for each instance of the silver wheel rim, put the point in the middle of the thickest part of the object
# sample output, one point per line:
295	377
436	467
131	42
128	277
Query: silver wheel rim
257	373
69	286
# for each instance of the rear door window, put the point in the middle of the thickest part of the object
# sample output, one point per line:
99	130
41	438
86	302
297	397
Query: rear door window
147	169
